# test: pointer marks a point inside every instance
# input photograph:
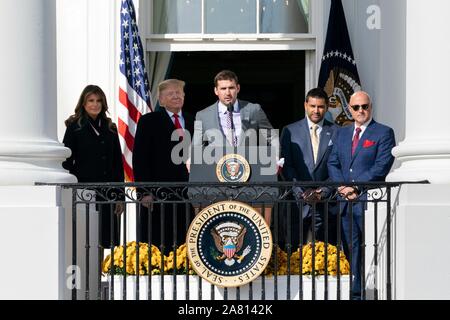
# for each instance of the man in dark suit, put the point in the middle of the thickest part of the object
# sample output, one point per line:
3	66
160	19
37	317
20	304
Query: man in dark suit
305	147
361	153
153	161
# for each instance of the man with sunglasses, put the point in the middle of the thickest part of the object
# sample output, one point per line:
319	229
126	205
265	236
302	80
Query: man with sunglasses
361	153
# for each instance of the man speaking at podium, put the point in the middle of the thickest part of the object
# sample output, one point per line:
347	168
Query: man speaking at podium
233	123
233	117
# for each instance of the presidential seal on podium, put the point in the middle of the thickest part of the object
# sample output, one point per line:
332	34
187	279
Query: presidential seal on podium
229	244
233	168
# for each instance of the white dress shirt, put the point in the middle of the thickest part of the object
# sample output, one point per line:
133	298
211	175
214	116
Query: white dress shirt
180	118
363	128
223	114
319	129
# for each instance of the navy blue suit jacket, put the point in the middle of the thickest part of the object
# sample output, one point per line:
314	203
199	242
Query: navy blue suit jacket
372	160
296	149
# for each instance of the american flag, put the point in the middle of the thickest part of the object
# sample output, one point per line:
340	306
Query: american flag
134	93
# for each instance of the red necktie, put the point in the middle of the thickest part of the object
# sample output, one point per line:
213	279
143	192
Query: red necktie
178	126
355	140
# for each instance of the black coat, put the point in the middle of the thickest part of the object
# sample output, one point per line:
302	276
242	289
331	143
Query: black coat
153	147
94	158
97	158
152	162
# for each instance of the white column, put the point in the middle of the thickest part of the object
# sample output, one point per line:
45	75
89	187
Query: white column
86	53
29	151
421	213
425	152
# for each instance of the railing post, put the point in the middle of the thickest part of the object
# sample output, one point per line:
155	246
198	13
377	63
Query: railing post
388	244
74	240
375	251
87	252
125	249
362	252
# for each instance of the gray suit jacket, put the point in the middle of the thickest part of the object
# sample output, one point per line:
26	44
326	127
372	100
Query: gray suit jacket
208	131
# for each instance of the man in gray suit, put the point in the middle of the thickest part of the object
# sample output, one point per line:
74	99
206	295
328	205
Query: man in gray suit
305	147
230	121
234	123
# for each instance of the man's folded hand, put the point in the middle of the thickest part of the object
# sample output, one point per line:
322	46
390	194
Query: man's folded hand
147	201
312	195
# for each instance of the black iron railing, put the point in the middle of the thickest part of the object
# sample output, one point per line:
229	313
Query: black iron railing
287	276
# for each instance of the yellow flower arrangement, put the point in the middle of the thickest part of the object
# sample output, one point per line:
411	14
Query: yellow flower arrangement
307	268
181	260
130	266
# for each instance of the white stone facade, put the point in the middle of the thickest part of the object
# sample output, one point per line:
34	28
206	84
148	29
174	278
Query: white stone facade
58	47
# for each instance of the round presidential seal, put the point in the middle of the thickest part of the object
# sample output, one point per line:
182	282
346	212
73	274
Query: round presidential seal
233	168
229	244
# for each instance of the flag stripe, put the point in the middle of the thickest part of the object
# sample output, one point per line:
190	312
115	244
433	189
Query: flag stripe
141	105
132	111
123	114
128	169
127	154
125	133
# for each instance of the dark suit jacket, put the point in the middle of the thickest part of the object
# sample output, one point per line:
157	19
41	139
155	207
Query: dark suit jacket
94	158
153	147
373	157
296	149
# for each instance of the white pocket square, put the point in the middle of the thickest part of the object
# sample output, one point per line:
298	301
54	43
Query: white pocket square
330	143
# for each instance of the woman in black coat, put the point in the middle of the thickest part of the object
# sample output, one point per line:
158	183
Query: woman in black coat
96	154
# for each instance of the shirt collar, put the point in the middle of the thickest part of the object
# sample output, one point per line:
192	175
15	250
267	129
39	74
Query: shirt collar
223	108
310	123
180	114
364	125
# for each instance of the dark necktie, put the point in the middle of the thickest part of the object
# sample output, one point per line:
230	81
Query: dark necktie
178	126
230	124
355	140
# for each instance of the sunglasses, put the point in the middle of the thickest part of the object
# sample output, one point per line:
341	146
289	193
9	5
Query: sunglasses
356	107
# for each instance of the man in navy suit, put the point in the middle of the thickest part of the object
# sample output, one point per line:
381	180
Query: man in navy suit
361	153
305	147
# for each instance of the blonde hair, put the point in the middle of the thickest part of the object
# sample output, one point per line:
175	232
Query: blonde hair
168	83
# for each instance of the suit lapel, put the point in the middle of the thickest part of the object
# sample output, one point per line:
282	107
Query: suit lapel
325	137
306	146
367	133
347	135
167	120
217	124
245	118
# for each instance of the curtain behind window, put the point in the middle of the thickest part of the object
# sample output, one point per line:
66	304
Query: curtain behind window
176	16
279	16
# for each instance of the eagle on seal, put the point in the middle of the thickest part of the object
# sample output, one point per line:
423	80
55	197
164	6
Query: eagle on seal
228	246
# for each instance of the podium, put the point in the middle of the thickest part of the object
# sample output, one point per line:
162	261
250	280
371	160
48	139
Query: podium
227	170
